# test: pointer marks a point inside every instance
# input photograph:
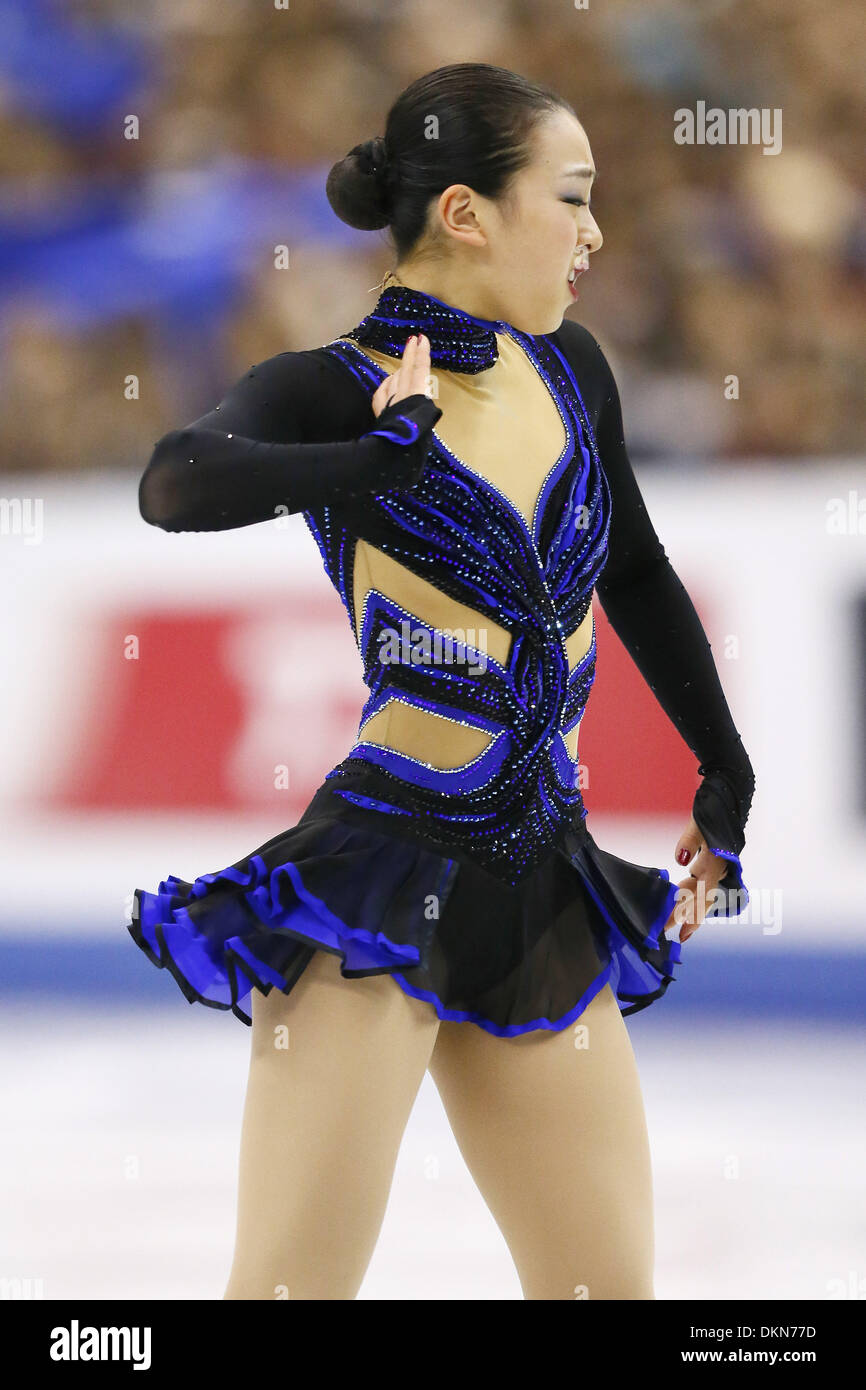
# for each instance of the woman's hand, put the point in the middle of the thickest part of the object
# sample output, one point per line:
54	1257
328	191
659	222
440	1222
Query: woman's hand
410	378
695	892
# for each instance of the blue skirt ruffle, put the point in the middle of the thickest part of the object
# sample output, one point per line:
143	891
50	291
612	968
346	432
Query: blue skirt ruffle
509	959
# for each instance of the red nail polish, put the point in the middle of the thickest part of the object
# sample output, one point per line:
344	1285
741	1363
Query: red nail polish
683	857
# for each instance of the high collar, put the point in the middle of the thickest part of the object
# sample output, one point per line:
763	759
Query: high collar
459	342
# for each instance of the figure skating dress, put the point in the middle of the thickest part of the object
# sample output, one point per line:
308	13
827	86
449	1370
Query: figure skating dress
465	535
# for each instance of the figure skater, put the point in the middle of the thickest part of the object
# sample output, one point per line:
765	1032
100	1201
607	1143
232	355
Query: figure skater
459	458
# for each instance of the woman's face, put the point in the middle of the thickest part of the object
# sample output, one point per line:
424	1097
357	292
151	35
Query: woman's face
511	259
545	229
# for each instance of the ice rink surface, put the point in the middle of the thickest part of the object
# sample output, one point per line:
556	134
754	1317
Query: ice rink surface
118	1165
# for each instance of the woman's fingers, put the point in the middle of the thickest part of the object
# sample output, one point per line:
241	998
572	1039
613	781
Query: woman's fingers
694	893
420	366
414	367
685	911
385	393
689	843
409	379
688	917
695	896
389	389
407	368
709	867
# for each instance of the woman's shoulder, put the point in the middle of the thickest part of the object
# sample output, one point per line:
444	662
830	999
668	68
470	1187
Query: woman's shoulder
308	368
578	344
587	360
314	388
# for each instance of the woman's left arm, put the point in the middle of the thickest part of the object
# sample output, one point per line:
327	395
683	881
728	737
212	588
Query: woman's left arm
655	619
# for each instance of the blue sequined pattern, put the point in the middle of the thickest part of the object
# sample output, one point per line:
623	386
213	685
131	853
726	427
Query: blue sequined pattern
457	530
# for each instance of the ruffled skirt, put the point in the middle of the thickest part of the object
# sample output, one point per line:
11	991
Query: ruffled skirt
345	880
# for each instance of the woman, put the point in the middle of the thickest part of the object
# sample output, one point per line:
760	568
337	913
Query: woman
441	902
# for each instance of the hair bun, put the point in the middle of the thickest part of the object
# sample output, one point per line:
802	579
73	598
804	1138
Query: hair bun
359	186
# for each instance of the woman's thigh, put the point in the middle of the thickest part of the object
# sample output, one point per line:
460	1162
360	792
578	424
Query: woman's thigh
335	1068
553	1130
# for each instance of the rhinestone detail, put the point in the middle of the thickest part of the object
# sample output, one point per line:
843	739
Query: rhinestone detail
457	530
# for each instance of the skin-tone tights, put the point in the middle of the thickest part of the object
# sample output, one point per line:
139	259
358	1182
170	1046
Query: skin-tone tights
551	1126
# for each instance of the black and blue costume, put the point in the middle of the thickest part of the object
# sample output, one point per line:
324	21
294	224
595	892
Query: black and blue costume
473	880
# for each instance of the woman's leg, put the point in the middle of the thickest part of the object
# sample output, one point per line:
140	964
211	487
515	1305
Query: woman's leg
552	1128
334	1071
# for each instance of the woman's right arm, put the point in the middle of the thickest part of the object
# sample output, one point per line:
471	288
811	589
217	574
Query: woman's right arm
246	461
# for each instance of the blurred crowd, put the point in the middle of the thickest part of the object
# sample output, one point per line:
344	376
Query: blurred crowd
152	157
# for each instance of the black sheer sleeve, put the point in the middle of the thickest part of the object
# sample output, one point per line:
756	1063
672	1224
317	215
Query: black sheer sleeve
259	453
652	614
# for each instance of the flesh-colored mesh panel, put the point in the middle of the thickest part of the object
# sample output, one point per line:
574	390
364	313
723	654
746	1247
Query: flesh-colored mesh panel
506	426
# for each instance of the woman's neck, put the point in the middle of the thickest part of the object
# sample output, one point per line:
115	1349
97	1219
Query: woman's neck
451	288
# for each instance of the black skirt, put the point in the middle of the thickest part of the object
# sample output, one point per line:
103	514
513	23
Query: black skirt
348	880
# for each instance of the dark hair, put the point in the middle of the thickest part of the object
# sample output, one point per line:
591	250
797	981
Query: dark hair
464	123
